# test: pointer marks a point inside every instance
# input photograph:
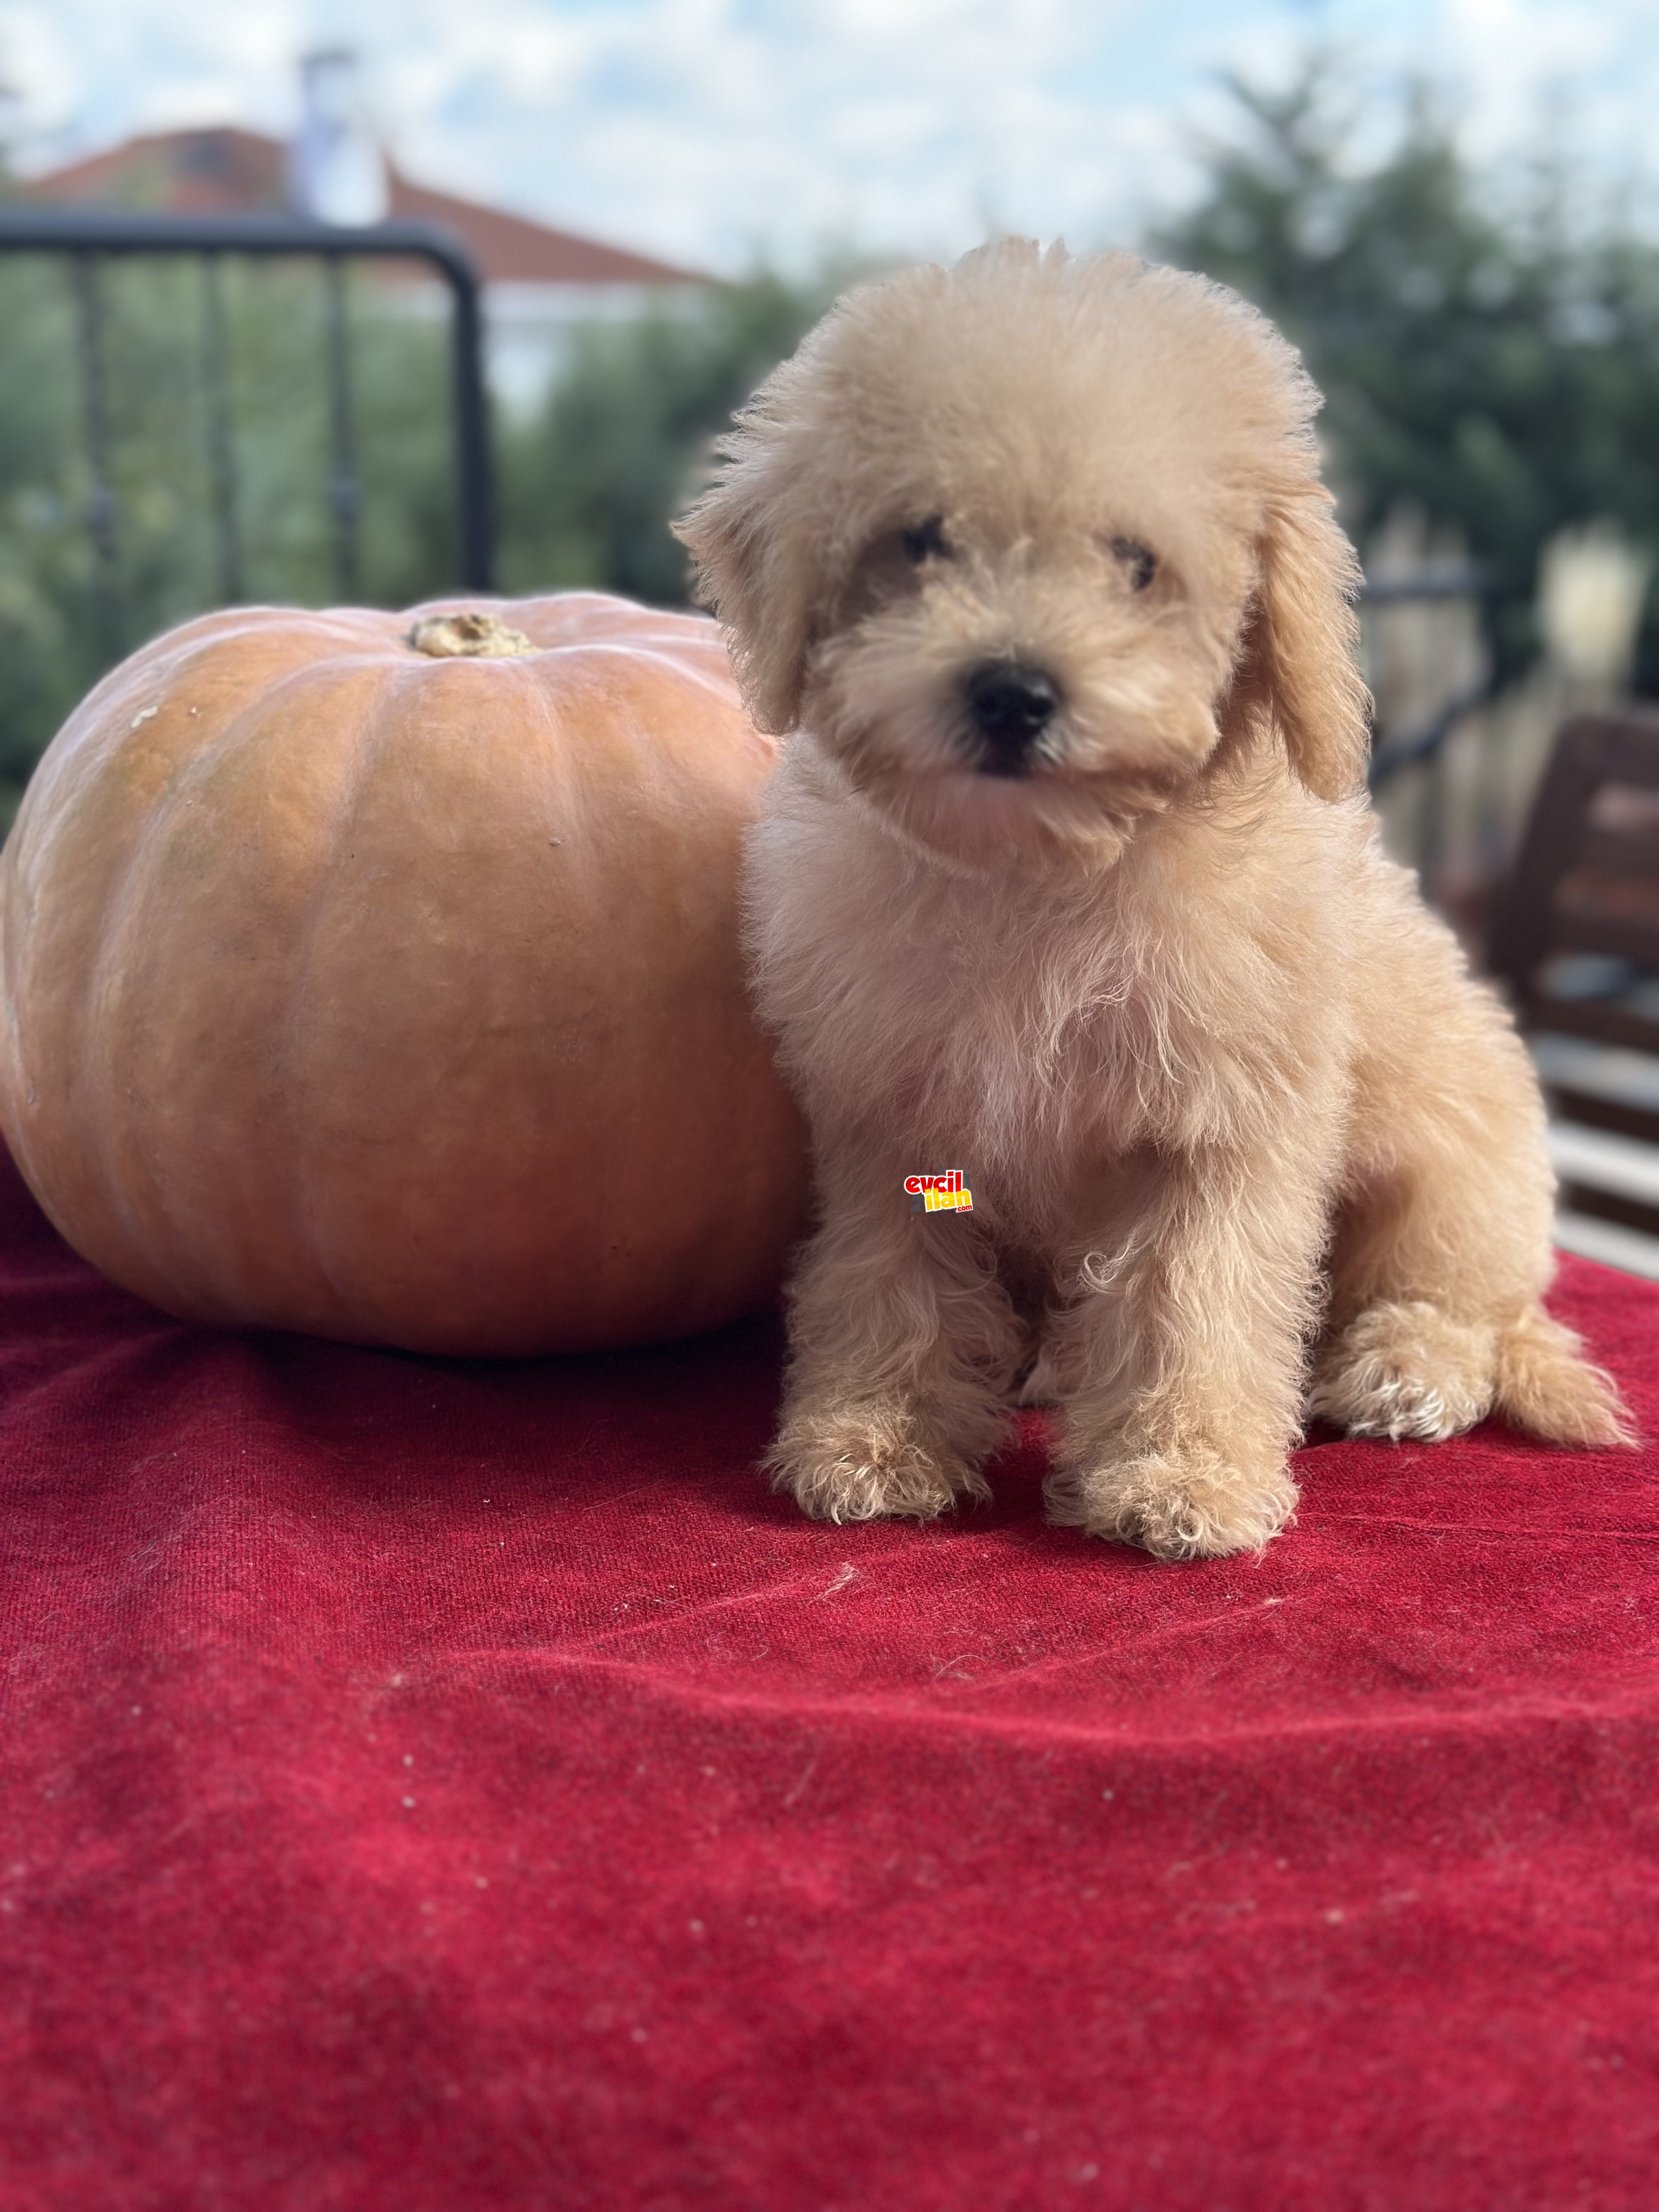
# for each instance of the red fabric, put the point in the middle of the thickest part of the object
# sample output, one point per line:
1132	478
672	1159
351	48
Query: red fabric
435	1785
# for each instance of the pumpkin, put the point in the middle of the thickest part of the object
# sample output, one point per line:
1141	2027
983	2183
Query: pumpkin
378	977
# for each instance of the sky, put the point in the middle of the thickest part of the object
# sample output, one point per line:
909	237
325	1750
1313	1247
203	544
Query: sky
716	132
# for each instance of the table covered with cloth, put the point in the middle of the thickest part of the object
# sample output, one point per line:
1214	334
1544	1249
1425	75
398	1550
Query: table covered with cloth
440	1784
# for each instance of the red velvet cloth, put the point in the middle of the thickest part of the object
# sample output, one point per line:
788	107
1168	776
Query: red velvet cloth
444	1785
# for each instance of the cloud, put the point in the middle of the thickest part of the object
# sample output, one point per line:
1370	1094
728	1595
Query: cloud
705	129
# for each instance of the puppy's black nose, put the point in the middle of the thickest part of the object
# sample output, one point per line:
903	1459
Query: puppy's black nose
1011	705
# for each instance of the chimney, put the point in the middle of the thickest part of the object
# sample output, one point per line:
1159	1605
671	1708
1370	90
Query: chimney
336	170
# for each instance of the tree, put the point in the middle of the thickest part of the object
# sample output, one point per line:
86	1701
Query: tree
589	490
1495	365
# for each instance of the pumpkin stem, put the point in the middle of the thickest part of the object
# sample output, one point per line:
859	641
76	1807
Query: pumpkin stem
465	636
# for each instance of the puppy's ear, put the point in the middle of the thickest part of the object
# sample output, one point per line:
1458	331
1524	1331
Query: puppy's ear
1299	654
752	567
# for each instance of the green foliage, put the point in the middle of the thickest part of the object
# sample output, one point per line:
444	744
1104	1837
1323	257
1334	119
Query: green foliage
1496	366
63	615
1489	361
44	640
589	490
586	490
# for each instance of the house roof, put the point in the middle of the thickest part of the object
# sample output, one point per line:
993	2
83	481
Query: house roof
226	171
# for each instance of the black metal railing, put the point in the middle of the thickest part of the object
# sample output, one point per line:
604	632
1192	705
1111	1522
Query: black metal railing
87	239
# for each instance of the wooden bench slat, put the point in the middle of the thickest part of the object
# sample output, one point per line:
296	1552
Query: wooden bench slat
1620	1116
1610	1206
1624	935
1620	852
1593	1018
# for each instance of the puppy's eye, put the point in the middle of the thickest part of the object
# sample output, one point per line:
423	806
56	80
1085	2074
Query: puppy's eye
926	541
1139	561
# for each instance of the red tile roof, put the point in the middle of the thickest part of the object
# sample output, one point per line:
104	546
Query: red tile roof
225	171
219	172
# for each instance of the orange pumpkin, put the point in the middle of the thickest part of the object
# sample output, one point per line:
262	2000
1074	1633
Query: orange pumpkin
377	976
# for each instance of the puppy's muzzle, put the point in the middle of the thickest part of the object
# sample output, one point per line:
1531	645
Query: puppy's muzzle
1010	706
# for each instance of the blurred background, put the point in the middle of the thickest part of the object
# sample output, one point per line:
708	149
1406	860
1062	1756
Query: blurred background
240	250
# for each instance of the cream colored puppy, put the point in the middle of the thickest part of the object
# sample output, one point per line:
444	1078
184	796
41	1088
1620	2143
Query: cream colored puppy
1068	882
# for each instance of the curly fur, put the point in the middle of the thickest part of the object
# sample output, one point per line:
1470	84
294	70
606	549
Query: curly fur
1243	1133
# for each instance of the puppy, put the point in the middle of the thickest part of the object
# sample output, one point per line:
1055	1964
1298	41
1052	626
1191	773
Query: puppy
1067	882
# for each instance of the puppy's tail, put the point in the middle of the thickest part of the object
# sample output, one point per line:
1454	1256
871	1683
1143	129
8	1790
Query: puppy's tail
1546	1385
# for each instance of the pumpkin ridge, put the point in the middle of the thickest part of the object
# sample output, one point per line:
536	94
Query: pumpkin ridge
89	1036
380	740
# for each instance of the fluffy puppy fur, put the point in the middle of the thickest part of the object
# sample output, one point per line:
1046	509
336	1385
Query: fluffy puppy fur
1067	880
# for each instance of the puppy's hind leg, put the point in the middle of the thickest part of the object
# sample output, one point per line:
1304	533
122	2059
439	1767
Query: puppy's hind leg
1406	1367
1442	1248
903	1345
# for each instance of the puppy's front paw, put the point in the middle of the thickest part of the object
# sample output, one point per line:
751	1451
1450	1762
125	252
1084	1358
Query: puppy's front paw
1191	1504
867	1463
1406	1370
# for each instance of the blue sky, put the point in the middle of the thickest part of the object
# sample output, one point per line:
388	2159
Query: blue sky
709	130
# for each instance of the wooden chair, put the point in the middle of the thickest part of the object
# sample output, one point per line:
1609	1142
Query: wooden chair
1576	939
